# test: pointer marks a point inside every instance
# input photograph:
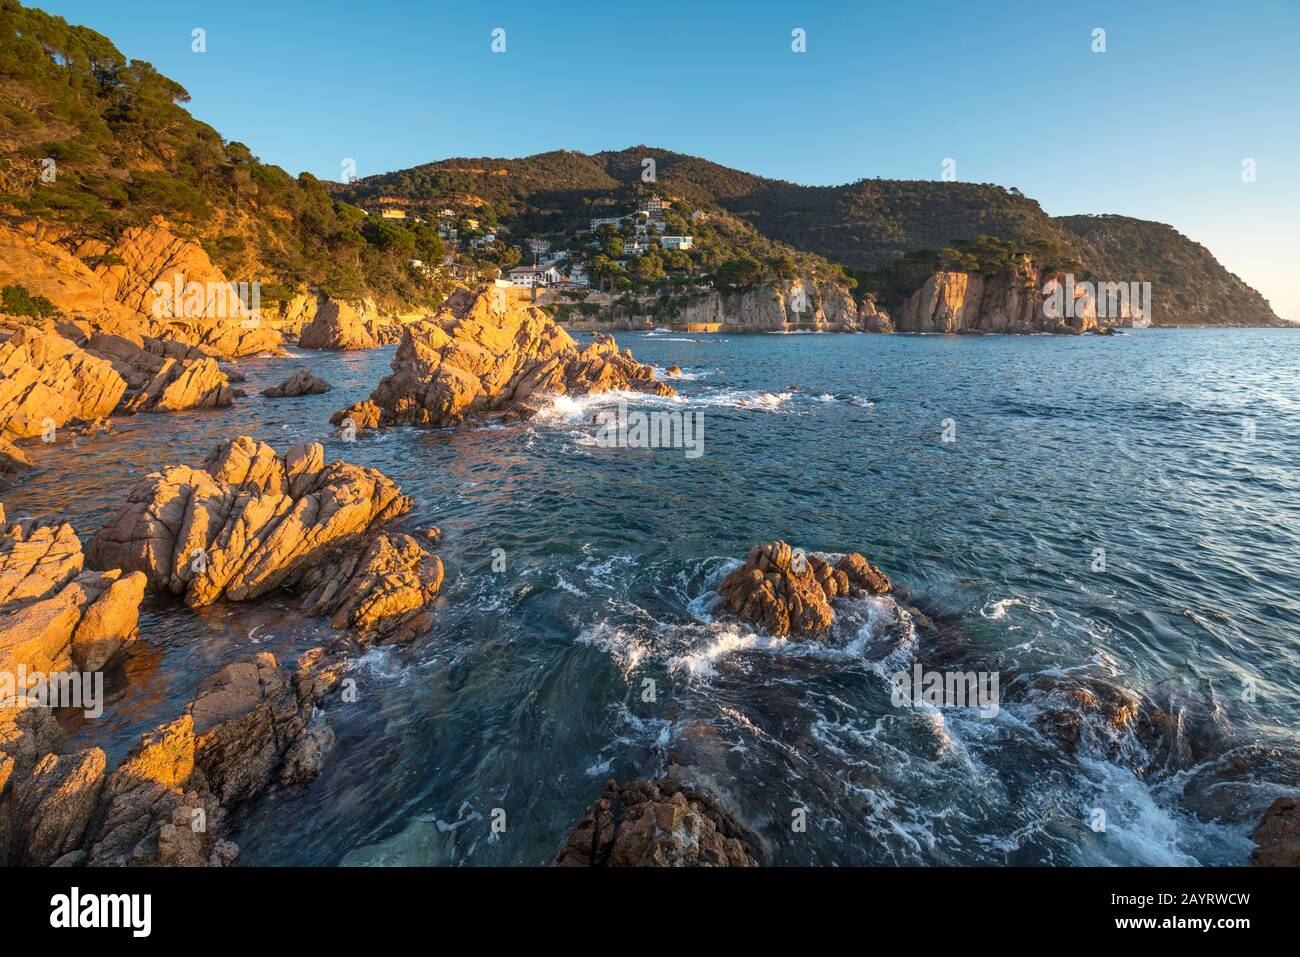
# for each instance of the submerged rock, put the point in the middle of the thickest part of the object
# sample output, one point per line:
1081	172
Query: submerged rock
789	593
1278	835
1079	712
302	382
656	824
481	354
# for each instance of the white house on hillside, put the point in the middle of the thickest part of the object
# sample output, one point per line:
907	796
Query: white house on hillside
530	277
677	242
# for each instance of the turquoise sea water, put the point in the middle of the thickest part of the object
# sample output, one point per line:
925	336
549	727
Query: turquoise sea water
1175	452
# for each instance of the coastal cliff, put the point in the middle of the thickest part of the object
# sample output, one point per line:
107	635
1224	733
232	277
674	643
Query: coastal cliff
1008	302
793	305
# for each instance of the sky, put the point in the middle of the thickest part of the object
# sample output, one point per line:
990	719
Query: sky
1157	126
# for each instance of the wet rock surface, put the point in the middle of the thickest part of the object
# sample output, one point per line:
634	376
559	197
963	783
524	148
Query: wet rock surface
1278	835
789	593
301	382
657	823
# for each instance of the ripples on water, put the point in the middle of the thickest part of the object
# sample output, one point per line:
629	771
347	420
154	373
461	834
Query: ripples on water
528	692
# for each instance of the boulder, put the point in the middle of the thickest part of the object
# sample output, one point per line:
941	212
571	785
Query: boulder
302	382
184	384
1080	711
657	824
789	593
483	354
381	587
56	615
245	523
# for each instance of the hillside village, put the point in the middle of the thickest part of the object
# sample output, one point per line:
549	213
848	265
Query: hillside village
612	248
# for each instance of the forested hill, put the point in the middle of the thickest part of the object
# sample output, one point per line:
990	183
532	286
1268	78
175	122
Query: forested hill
124	149
1190	286
863	225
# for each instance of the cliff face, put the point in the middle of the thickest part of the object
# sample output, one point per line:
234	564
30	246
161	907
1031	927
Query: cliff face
785	306
151	283
1010	302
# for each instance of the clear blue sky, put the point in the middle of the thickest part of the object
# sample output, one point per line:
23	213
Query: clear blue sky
1155	127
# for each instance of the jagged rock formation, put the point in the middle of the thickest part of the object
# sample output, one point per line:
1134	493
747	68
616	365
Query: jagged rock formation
338	325
1278	835
788	593
302	382
58	616
150	284
183	384
481	355
169	802
260	521
172	285
45	378
656	824
245	523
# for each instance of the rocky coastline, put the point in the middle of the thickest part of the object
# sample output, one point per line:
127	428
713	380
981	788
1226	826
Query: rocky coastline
249	521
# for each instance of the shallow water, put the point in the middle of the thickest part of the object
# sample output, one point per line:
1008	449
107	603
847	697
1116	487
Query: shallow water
530	689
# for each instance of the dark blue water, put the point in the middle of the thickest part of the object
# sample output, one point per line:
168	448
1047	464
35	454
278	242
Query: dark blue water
1174	451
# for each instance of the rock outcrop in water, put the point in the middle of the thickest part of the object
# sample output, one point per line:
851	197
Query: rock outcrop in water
1278	835
260	521
163	377
381	587
302	382
169	802
338	325
656	824
480	355
789	593
246	522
